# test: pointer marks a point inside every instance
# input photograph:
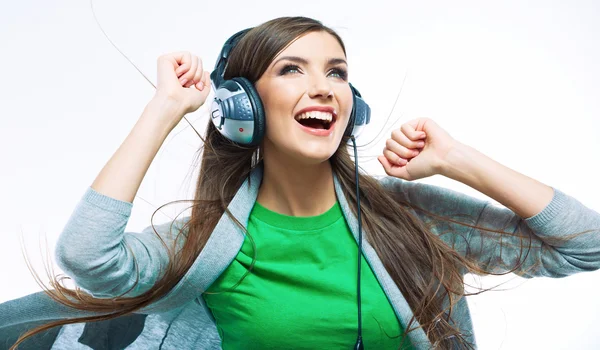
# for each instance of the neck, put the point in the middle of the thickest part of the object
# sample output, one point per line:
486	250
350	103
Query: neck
296	189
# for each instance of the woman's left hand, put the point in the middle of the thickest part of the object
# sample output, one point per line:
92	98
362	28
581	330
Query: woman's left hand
416	150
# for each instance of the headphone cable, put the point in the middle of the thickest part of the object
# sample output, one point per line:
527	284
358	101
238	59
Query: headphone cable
359	343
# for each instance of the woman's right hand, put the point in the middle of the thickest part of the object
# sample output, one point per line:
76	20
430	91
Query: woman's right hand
182	82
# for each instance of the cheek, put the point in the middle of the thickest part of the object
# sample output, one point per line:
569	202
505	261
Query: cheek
275	118
280	103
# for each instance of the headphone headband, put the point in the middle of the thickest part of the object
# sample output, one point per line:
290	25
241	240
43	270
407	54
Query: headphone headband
221	64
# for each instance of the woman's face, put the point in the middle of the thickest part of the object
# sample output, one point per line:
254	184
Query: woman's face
307	99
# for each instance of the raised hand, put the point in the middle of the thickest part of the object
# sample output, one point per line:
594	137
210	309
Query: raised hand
182	81
416	150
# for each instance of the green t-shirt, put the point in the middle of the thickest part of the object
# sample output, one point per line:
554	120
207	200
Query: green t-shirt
301	293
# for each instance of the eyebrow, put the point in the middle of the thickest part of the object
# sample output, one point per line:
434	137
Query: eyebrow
331	61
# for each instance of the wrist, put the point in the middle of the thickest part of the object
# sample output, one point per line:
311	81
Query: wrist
164	111
166	104
458	162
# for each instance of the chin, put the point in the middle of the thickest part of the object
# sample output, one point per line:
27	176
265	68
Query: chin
301	152
316	152
315	158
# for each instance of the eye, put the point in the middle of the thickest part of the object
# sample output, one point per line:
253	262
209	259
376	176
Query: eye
289	68
292	69
340	72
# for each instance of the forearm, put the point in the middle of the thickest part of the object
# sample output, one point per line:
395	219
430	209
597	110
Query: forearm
521	194
122	175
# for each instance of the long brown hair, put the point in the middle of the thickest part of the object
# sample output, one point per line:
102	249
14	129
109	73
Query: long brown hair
428	271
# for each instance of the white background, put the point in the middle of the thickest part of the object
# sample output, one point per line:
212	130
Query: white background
520	82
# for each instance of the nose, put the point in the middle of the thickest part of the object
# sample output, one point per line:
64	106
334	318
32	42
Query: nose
320	87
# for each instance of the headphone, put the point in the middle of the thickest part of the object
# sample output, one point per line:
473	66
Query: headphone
237	110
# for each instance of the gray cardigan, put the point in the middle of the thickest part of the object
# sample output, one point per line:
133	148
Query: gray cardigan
97	253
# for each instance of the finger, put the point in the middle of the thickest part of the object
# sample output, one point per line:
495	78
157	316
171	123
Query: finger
411	133
394	158
183	63
400	150
205	82
387	166
181	70
198	75
399	136
190	74
393	170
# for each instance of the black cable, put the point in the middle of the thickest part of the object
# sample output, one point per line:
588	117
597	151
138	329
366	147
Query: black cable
359	343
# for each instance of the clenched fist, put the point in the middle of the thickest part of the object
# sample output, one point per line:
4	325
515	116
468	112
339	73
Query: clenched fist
416	150
182	81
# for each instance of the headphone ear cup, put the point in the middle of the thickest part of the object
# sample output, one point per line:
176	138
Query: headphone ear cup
360	115
257	108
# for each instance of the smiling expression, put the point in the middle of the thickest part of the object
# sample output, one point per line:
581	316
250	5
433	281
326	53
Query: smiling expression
306	98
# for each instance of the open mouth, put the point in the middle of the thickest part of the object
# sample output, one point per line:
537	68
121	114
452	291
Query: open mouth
316	119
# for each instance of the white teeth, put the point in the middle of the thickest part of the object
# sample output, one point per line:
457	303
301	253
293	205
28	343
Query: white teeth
316	115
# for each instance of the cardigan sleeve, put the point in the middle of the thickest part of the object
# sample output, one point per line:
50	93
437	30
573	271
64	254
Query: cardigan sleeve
542	245
104	260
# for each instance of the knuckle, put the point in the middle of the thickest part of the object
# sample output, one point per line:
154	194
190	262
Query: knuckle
396	133
404	128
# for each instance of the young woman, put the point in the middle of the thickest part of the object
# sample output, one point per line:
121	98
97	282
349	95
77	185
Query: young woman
268	257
